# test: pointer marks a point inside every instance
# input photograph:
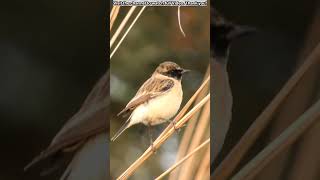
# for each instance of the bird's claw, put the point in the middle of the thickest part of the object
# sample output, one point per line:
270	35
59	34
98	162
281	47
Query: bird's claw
173	123
153	149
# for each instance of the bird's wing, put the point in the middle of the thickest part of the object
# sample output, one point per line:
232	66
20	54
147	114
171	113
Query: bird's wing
90	120
90	162
152	88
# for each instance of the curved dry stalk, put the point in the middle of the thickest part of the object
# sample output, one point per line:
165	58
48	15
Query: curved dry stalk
289	136
127	31
179	21
232	160
161	139
113	15
121	26
183	159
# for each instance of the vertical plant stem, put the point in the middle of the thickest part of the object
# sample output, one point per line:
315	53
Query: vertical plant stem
189	167
204	168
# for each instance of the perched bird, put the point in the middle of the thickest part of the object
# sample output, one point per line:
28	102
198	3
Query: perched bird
84	136
223	33
157	100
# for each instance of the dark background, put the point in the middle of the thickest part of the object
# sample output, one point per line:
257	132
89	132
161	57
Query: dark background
51	55
260	65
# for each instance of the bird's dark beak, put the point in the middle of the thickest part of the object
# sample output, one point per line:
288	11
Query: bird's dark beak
185	71
240	31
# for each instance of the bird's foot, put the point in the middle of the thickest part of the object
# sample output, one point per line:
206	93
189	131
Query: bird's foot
173	123
153	149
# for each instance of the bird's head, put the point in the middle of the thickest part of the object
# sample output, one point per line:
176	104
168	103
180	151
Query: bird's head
223	32
171	69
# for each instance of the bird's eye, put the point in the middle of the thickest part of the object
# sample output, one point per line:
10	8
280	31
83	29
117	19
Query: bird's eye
169	71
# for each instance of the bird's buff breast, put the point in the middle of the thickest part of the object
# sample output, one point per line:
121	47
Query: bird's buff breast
159	109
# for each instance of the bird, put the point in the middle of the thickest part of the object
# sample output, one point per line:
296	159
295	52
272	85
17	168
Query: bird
157	100
222	34
85	137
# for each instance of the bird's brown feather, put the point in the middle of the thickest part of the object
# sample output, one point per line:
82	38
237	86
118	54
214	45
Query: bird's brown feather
152	88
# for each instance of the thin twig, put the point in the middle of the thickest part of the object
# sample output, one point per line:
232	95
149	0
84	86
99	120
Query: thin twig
288	137
183	159
121	26
232	160
161	139
127	31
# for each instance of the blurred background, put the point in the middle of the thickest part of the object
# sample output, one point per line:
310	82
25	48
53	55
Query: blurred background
52	53
155	38
259	66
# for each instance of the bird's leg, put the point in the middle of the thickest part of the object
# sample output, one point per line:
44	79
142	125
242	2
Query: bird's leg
150	137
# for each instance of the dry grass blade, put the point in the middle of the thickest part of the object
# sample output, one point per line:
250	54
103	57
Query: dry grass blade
228	165
204	168
113	15
290	135
121	26
161	139
183	159
189	167
127	31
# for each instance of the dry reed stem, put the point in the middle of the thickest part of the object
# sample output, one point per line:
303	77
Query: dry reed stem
127	31
306	162
187	135
189	167
228	165
289	136
183	159
204	168
113	15
304	93
121	26
161	139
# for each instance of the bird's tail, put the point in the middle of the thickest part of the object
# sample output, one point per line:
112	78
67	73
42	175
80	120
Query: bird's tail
120	131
